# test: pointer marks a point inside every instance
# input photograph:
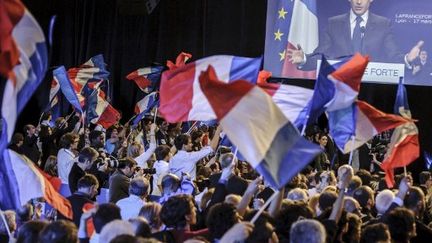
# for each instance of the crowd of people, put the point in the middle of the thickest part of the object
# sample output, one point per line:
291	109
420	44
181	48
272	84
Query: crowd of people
177	183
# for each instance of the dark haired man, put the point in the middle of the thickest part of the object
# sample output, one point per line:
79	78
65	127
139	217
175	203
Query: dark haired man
120	180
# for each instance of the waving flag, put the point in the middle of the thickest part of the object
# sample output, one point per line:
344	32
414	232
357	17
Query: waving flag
428	160
336	87
290	24
19	33
181	98
404	145
263	135
291	100
61	77
93	70
361	121
145	105
146	77
181	60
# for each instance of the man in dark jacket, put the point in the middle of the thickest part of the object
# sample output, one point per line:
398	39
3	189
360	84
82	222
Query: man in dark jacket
120	180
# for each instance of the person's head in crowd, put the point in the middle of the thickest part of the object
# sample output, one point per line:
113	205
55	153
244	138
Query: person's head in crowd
112	132
197	136
179	212
69	141
29	130
298	194
326	201
115	228
220	218
24	213
322	140
353	233
360	7
353	185
105	213
352	206
307	230
139	186
215	168
365	196
45	131
205	199
86	157
97	139
315	179
163	152
29	232
425	179
151	211
383	201
183	142
226	160
313	203
88	184
127	166
289	215
170	184
141	227
415	200
204	172
60	231
17	139
264	230
135	149
51	165
327	178
378	232
233	199
401	223
365	176
10	218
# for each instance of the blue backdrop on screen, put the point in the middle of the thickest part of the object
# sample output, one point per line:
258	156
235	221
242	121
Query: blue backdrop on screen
411	21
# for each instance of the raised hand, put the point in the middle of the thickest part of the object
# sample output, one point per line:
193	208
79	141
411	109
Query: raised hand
415	51
295	56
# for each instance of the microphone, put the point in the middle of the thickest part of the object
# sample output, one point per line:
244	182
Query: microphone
362	31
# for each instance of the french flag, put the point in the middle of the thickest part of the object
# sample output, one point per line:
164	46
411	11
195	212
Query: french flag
60	76
336	87
181	97
291	100
303	32
353	126
262	133
23	60
145	105
404	145
146	77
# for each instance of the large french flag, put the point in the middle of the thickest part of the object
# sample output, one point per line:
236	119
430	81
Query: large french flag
353	126
262	133
23	66
336	87
181	97
404	145
303	32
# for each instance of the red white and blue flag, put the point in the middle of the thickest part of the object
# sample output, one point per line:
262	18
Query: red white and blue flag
404	145
265	137
290	24
23	61
146	78
181	97
353	126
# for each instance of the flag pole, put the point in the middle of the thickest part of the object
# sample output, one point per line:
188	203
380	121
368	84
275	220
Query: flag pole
5	223
352	150
304	126
155	115
405	171
190	129
255	217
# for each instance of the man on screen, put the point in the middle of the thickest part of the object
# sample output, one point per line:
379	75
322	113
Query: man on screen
356	31
422	69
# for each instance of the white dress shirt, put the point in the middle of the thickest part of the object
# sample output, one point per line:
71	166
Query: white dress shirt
185	162
130	206
353	17
162	168
65	160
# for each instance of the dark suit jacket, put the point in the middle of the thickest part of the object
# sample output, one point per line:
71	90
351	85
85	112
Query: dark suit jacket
118	186
378	41
75	174
235	185
78	200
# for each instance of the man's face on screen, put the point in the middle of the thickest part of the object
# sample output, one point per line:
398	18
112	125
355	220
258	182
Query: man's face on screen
360	7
